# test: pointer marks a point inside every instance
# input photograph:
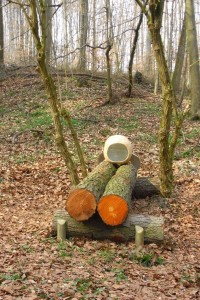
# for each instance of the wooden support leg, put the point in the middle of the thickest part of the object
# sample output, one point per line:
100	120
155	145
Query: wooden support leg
139	237
61	229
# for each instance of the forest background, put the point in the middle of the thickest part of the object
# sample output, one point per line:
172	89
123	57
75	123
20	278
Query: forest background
80	37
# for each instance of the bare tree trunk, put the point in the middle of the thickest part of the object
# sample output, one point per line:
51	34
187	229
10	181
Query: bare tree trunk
65	50
148	60
2	66
176	78
37	22
49	15
130	66
193	59
166	143
108	49
170	38
94	60
83	33
156	81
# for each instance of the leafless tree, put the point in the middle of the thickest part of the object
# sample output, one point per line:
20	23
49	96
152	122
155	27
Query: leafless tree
193	59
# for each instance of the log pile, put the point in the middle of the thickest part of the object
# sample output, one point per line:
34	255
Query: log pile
96	229
82	201
145	187
100	206
115	203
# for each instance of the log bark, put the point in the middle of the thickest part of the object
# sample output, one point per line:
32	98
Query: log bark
96	229
114	205
145	187
82	202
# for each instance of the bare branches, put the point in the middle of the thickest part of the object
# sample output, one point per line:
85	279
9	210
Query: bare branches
143	7
56	5
20	3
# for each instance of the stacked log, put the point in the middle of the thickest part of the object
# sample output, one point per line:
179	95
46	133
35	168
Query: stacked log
109	190
96	229
82	201
115	203
145	187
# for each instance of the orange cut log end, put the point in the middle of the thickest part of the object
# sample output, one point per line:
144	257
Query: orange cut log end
81	204
113	210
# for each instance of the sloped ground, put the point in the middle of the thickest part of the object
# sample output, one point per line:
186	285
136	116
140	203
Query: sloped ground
35	183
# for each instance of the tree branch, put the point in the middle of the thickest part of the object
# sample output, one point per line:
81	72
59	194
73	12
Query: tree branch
143	7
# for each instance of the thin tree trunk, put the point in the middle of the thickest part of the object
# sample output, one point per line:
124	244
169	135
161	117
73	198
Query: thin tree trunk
94	59
65	24
2	68
108	49
166	143
130	66
65	114
59	138
37	26
156	82
193	59
176	79
83	33
49	15
109	77
148	60
170	38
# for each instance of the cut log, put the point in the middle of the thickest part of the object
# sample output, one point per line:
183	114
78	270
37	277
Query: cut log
146	187
82	202
96	229
114	205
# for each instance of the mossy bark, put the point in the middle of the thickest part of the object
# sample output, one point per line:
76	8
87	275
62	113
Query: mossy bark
96	229
145	187
82	201
166	144
36	18
166	173
122	183
65	114
97	180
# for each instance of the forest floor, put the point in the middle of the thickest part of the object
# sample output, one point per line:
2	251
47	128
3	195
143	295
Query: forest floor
35	183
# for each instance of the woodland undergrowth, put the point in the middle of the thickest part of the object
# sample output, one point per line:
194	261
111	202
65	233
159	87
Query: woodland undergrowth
34	183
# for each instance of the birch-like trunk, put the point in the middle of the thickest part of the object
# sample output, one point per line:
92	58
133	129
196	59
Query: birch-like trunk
2	65
192	45
83	33
49	16
132	54
176	78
